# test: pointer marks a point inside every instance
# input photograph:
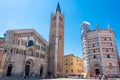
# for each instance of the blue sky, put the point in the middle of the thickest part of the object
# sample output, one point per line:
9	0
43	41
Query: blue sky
22	14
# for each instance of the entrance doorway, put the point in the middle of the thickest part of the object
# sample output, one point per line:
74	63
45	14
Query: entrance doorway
41	71
97	71
9	70
27	69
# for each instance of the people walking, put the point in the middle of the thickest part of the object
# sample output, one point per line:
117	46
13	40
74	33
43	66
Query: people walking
95	76
104	77
99	76
79	75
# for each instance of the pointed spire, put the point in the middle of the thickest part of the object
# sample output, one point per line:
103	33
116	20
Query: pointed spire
97	27
58	8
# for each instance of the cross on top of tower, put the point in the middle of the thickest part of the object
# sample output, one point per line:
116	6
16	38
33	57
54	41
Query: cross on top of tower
58	8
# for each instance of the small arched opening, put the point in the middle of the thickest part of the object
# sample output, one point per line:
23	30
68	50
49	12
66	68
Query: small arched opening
28	67
97	70
41	71
9	70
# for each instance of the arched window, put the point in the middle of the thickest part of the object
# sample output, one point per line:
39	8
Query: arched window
107	50
71	70
54	18
104	39
59	70
17	51
66	71
37	54
111	44
11	50
108	56
93	45
94	57
53	36
43	56
30	43
60	36
66	64
24	52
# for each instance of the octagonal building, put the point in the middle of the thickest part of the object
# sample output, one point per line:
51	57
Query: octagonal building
99	51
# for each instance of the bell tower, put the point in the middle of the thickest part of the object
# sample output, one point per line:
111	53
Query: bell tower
56	43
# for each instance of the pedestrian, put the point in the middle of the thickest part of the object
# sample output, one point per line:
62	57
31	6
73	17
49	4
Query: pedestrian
95	76
78	75
106	77
82	76
99	76
103	77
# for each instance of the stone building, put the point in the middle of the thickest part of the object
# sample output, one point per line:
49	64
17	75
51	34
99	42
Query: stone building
56	44
119	62
24	53
99	51
73	65
2	56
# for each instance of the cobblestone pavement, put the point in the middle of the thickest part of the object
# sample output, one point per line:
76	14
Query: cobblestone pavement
21	78
84	79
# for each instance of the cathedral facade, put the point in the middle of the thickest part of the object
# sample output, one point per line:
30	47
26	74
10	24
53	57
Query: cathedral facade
24	52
